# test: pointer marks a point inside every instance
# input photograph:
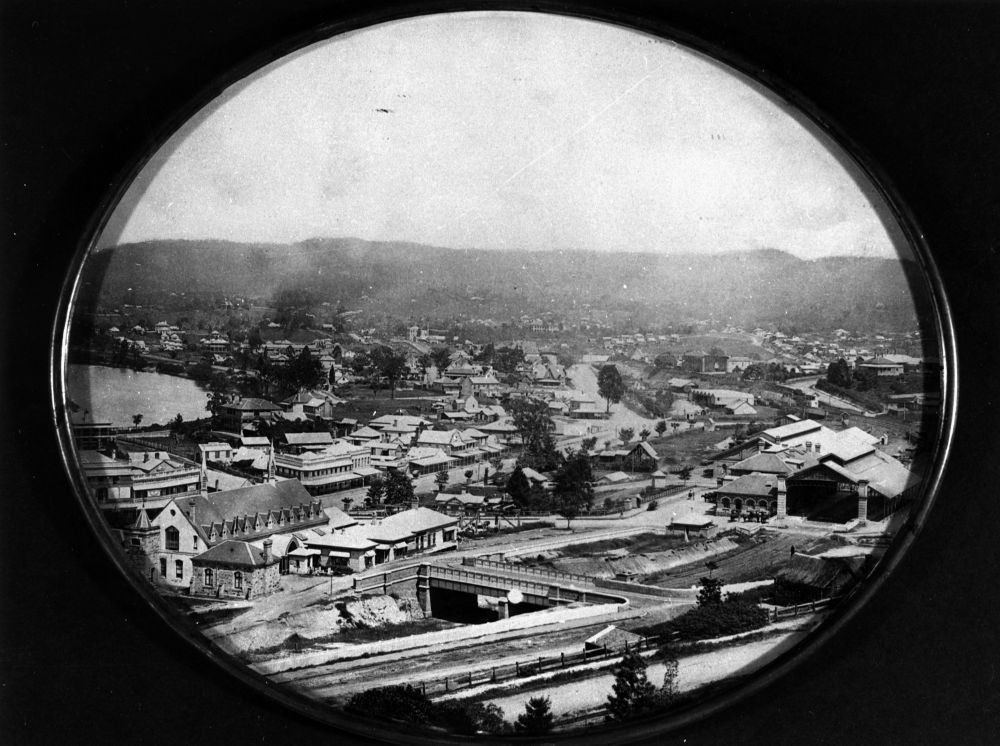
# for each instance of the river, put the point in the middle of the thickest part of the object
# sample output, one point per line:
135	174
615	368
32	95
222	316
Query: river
115	395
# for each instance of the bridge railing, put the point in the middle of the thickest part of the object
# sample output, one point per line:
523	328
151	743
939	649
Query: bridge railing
486	579
515	568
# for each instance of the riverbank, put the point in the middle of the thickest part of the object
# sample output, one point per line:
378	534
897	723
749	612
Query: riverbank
118	394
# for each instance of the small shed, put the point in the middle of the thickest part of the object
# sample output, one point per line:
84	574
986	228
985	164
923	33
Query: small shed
613	638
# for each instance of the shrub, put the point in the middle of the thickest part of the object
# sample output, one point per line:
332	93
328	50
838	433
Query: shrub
653	505
732	616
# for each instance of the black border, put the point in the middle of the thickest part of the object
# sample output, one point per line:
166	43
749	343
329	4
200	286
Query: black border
914	83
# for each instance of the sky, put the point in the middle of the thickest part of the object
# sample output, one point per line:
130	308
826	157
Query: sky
503	131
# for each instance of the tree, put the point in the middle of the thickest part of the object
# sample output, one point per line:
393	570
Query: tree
406	703
839	374
632	693
574	477
519	488
669	690
711	592
588	443
398	488
661	427
506	360
347	503
376	491
468	475
441	356
389	365
684	473
441	478
626	434
136	419
536	718
610	385
645	433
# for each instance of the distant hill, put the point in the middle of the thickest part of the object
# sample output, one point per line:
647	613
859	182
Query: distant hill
411	280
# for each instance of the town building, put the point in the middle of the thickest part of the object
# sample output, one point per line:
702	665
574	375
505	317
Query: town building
338	466
244	415
235	569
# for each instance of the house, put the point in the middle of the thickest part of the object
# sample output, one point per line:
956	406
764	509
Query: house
881	366
257	443
364	435
341	548
215	344
702	362
417	530
235	569
428	460
740	409
245	414
449	441
463	503
640	456
216	451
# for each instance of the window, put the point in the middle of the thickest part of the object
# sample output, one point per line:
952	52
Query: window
238	580
173	538
209	580
179	569
194	543
134	542
163	568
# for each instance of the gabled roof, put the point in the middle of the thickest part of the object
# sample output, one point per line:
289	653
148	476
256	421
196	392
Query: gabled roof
645	447
338	518
765	463
439	437
260	498
408	523
251	404
342	540
303	439
366	432
751	485
792	429
232	553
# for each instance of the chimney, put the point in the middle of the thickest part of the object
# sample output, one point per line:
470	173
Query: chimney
782	506
809	446
862	501
267	550
816	447
191	510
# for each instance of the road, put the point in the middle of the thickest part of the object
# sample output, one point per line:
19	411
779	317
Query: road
808	385
693	671
585	381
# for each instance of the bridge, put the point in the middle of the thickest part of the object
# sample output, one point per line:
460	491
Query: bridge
491	582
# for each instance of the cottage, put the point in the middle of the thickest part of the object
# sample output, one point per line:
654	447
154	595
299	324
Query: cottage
235	569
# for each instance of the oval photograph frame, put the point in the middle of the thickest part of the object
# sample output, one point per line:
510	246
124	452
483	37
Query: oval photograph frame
943	337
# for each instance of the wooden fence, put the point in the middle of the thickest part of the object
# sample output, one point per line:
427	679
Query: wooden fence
553	664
